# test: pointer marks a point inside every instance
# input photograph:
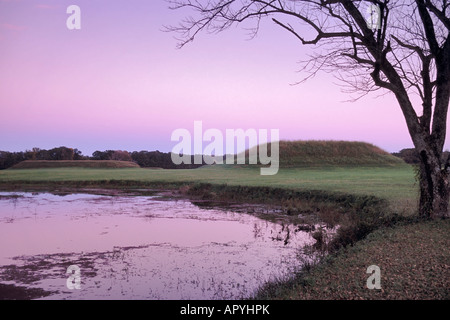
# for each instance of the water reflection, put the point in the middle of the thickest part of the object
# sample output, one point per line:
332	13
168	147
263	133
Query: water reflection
140	247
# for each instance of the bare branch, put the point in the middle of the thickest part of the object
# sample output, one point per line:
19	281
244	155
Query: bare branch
428	26
440	14
417	49
320	35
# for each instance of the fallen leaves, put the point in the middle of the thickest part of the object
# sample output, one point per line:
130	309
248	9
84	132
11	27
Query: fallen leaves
414	262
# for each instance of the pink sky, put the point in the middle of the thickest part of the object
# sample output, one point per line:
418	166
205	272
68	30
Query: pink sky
120	82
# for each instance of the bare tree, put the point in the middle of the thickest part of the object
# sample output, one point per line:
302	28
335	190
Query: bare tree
401	47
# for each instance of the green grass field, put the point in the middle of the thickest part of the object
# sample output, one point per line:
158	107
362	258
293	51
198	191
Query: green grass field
395	183
333	166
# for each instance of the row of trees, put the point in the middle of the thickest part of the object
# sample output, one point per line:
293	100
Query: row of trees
142	158
8	159
411	156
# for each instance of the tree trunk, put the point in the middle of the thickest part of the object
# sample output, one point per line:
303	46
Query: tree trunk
434	186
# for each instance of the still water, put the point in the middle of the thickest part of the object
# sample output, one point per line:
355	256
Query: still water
140	247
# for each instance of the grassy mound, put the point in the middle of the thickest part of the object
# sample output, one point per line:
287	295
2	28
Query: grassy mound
39	164
331	153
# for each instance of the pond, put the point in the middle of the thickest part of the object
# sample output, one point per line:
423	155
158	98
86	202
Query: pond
139	247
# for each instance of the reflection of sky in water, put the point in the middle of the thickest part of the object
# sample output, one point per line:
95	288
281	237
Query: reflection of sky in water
144	247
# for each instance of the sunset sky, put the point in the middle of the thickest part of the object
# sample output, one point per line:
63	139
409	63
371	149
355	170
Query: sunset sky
121	83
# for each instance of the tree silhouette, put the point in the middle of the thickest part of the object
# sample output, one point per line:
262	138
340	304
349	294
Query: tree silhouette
401	47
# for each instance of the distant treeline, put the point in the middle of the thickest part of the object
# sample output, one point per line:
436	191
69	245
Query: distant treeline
411	156
142	158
